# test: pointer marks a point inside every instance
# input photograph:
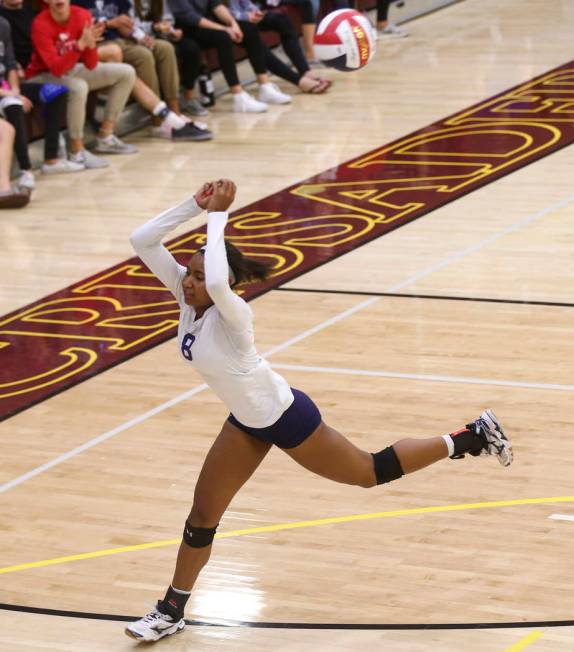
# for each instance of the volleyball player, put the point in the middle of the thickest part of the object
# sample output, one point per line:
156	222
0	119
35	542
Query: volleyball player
215	335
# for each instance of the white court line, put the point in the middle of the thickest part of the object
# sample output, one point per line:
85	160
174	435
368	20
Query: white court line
561	517
174	401
429	270
468	380
482	243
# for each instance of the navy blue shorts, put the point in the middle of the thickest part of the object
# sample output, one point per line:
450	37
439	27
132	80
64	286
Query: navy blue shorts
292	428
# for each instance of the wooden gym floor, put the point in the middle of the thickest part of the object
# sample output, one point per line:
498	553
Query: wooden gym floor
458	544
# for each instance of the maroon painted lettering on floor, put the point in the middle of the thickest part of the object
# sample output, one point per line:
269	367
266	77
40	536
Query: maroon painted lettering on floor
93	325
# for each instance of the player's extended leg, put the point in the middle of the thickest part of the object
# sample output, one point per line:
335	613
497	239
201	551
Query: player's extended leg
230	462
331	455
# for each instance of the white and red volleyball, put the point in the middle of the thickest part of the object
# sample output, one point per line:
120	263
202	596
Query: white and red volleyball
345	40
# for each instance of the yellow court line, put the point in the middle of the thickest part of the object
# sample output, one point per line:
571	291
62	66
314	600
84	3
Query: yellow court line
524	642
291	526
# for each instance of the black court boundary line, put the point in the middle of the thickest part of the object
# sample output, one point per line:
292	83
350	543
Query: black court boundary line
438	297
274	625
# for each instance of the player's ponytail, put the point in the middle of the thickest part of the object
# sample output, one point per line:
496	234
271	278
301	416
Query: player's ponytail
243	268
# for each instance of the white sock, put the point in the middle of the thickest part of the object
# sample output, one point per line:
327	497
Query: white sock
180	591
169	117
160	108
449	444
174	121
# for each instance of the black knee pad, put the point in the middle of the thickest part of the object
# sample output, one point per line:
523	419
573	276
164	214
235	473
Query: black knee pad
387	465
198	537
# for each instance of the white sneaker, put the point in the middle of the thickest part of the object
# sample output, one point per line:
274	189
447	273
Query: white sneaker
154	626
244	103
495	441
272	94
26	180
163	131
61	166
88	160
392	31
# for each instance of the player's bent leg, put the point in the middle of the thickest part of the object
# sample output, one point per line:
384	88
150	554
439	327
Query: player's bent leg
230	462
329	454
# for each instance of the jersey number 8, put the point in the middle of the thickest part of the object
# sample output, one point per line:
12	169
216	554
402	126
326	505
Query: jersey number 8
186	343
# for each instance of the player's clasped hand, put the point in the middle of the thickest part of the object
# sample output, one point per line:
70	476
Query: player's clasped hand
203	194
217	195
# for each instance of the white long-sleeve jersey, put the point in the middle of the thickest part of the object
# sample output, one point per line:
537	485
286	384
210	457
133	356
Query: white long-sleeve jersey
220	344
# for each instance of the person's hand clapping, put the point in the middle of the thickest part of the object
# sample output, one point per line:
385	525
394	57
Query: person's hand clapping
222	197
88	38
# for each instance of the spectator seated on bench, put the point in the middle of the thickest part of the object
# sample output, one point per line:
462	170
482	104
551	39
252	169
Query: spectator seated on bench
210	24
19	97
282	24
156	68
154	19
64	39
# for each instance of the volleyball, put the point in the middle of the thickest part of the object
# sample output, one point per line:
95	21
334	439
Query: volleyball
345	40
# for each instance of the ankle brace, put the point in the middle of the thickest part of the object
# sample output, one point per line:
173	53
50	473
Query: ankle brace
174	603
465	441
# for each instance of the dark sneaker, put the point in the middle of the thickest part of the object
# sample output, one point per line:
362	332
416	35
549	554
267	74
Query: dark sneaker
154	626
190	132
494	441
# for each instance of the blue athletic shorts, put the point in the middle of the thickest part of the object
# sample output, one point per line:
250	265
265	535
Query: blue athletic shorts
293	427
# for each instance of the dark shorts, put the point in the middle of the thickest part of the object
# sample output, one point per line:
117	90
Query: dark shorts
298	421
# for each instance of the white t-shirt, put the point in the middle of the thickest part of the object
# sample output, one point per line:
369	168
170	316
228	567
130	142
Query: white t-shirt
220	344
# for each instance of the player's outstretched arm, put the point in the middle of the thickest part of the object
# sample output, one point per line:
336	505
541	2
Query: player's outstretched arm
217	271
146	240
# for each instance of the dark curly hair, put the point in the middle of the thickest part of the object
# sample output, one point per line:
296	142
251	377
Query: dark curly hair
243	268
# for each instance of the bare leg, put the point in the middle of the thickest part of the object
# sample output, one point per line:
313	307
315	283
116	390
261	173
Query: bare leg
415	454
76	145
6	147
231	461
331	455
308	40
173	105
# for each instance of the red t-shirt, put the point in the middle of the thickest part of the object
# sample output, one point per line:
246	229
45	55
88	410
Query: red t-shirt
56	44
